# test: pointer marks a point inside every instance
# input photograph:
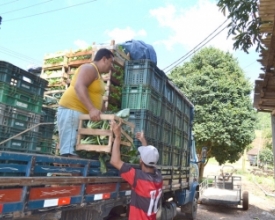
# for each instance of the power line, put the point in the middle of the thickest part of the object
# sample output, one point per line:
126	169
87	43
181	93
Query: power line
26	7
59	9
18	55
189	53
8	3
196	47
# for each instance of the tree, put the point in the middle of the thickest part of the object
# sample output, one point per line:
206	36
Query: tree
266	156
245	23
224	117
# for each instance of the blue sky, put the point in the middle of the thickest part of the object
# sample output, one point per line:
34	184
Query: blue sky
172	27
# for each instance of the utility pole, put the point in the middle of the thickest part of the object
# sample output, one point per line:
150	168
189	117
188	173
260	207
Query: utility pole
273	139
0	20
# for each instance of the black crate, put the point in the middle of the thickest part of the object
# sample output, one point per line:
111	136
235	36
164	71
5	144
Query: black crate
26	142
48	114
166	133
47	131
15	76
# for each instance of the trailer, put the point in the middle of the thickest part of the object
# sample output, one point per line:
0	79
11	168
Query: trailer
225	189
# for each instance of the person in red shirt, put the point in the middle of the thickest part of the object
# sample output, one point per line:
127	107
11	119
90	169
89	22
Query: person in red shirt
146	183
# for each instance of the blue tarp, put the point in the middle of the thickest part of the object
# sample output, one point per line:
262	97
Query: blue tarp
139	50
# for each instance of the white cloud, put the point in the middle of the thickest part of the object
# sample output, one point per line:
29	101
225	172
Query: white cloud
81	44
190	26
122	35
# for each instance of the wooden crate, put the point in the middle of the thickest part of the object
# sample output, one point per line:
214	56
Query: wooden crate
94	132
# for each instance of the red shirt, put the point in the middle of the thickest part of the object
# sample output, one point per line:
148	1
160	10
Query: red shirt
146	192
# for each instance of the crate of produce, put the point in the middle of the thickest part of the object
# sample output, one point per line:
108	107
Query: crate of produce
19	98
98	136
26	142
46	146
145	121
169	91
54	61
165	152
79	57
19	119
167	111
166	134
19	78
143	72
141	97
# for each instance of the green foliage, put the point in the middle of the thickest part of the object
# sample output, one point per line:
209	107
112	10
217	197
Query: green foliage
224	117
245	22
264	125
266	156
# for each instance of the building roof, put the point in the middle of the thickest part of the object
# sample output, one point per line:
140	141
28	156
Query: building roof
264	91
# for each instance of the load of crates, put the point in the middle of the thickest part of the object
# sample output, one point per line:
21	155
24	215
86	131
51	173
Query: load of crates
159	109
21	97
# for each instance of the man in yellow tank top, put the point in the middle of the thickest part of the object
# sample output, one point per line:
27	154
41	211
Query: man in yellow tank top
84	96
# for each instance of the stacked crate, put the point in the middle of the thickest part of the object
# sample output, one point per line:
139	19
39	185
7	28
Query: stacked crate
21	95
159	109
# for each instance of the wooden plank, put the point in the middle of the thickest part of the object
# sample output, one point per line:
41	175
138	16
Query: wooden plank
92	147
89	131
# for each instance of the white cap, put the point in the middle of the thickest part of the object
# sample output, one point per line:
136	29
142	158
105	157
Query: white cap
149	155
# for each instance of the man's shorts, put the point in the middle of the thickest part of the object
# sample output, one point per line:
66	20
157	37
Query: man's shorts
67	122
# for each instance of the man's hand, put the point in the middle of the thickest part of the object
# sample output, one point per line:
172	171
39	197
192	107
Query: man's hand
141	138
116	128
94	114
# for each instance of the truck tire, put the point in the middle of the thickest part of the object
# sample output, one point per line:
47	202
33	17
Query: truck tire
190	210
245	200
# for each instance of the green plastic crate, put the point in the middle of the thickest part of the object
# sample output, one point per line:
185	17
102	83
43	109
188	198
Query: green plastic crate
141	97
165	152
177	138
18	98
18	119
167	111
166	134
144	120
19	78
143	72
46	146
178	120
176	156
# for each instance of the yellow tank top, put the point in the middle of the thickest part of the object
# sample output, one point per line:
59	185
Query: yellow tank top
96	91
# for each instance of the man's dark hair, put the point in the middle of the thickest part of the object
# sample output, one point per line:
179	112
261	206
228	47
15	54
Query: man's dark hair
103	53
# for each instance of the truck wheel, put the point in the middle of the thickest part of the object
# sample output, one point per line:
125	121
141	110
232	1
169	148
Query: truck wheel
245	200
190	209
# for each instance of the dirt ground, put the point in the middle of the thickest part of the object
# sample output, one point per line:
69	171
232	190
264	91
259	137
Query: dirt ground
261	207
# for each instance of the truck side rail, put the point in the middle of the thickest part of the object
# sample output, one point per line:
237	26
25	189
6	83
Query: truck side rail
32	182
